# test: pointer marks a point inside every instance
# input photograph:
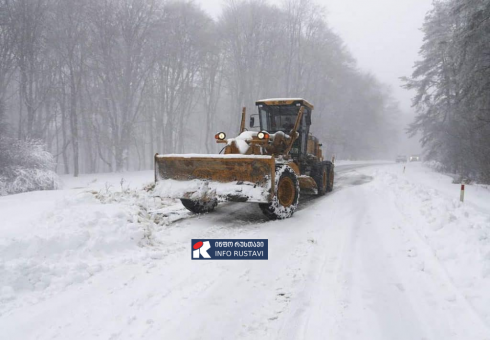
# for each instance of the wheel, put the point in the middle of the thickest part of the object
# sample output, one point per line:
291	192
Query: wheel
286	195
331	175
199	207
320	175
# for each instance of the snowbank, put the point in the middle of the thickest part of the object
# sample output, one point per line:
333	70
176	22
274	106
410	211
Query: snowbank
66	247
83	232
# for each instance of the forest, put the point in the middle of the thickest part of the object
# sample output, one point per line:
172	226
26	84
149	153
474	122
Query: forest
452	81
105	84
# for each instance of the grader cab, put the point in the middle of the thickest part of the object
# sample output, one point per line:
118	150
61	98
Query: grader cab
270	167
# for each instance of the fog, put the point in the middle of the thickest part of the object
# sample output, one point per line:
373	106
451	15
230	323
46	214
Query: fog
387	43
383	35
385	38
104	85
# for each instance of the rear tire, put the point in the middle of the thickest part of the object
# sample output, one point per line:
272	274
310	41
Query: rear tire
198	207
331	177
286	195
320	175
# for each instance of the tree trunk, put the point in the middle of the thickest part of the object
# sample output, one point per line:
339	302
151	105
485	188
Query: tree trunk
74	124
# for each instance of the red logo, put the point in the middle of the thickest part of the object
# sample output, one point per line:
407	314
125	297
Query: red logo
198	245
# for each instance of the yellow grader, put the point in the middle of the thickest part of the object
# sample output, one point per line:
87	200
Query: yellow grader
269	167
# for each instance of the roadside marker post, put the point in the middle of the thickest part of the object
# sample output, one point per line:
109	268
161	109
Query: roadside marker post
404	169
461	197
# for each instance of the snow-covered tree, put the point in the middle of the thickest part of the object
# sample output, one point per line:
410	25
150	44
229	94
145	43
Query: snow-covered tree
25	166
453	87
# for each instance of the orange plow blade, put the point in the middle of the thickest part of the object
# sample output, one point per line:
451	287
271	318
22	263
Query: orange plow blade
239	178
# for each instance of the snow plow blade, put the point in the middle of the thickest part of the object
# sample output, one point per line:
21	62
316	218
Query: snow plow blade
238	178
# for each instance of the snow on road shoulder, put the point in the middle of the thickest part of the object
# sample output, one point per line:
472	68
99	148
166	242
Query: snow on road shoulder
458	234
81	234
65	246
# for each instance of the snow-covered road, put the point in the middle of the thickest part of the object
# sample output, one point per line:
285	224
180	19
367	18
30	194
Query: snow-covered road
387	255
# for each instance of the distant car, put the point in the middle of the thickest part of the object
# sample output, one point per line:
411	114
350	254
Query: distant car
401	159
414	158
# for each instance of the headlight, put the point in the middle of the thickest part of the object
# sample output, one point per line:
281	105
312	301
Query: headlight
220	135
263	135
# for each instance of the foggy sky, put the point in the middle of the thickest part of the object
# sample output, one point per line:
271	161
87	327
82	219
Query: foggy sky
383	35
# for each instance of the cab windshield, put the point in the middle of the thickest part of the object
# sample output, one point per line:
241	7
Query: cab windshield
278	118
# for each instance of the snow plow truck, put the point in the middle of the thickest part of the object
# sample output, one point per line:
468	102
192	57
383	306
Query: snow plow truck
269	167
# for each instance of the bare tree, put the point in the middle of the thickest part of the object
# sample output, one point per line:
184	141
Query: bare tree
107	83
123	62
30	30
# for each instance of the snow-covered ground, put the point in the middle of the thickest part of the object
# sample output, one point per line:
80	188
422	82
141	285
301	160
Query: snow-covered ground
386	255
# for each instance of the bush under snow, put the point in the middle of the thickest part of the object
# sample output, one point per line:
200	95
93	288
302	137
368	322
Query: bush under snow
25	166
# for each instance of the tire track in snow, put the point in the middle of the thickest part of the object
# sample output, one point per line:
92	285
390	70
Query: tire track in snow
371	279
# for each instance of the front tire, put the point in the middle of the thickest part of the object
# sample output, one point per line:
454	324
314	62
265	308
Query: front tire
198	207
286	195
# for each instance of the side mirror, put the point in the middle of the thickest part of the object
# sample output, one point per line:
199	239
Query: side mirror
252	121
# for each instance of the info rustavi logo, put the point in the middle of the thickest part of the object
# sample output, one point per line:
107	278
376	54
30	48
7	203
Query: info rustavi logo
201	248
229	249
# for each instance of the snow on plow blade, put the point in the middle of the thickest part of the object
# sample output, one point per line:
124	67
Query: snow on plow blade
238	178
